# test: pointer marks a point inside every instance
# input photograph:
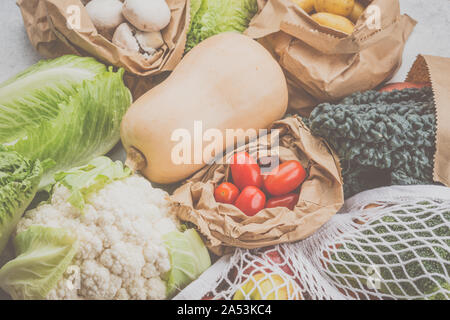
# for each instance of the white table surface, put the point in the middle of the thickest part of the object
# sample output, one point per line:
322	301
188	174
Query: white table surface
431	36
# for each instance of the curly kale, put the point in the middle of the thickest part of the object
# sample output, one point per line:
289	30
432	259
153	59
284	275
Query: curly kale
382	138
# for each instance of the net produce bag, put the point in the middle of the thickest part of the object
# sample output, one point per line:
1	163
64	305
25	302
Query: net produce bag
387	243
324	64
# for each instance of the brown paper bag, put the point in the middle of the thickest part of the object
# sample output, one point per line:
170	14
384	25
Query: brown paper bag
436	70
323	64
47	28
224	225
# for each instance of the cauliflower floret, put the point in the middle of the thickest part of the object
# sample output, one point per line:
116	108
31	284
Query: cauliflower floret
97	281
120	251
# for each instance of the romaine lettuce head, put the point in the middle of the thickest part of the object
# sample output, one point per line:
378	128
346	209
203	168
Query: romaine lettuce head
19	179
63	112
188	256
211	17
43	255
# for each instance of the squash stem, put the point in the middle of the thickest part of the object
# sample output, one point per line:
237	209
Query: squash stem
135	160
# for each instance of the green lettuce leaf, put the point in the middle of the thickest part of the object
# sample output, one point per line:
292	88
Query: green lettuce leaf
43	255
211	17
19	179
90	178
189	258
63	112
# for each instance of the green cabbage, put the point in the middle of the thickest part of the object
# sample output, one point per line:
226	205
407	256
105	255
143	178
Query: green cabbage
43	255
211	17
63	112
189	258
19	179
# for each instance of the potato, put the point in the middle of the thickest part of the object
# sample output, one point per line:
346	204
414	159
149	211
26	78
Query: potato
334	21
340	7
357	11
307	5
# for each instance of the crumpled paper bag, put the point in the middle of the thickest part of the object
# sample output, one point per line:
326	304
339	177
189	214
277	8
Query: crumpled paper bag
46	23
323	64
225	226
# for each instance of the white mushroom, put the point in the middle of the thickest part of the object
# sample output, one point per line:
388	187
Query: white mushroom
123	38
150	41
106	15
147	15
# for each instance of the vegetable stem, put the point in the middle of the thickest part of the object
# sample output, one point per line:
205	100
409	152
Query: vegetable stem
135	160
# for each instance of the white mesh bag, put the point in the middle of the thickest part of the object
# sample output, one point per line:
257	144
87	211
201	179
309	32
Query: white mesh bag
387	243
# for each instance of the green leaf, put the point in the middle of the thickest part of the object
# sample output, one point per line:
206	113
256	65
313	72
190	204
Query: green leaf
43	255
19	179
189	258
211	17
90	178
64	112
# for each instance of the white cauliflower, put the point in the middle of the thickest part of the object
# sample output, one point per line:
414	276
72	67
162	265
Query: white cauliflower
120	251
105	234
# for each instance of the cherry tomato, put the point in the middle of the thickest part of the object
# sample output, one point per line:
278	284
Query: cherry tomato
402	85
251	200
288	201
245	171
284	179
226	193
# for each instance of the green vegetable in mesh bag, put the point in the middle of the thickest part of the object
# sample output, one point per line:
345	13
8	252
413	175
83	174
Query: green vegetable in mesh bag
211	17
19	179
382	138
63	112
403	255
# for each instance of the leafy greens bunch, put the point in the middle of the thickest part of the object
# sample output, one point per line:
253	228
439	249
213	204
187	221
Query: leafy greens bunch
63	112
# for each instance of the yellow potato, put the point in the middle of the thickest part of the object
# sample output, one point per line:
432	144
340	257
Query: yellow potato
340	7
334	21
307	5
358	10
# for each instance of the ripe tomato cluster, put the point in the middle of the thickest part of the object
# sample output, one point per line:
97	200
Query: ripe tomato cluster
251	191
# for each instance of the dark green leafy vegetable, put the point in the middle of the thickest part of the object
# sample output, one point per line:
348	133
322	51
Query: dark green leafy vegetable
381	138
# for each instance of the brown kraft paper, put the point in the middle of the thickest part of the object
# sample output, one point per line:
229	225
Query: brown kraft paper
224	225
436	70
47	28
323	64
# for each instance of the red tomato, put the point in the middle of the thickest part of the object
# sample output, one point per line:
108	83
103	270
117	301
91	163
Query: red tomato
251	201
403	85
245	171
277	259
284	179
226	193
288	201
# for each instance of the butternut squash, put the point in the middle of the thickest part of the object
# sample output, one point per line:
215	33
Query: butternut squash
228	81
